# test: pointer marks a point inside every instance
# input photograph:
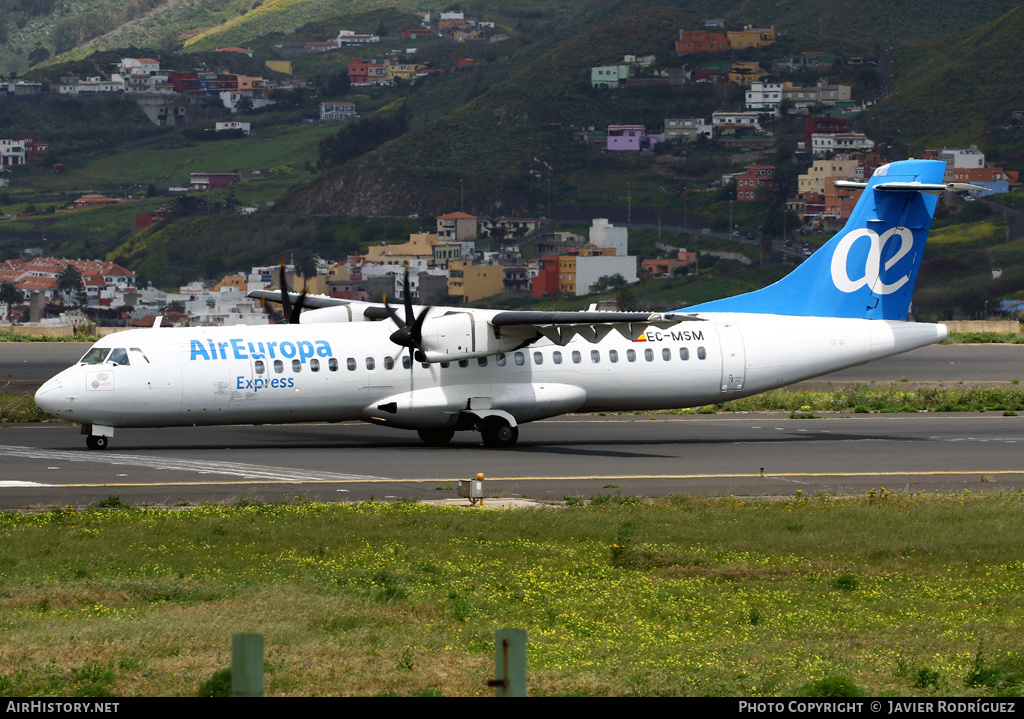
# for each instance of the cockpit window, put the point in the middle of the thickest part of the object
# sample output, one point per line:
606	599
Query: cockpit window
137	355
118	356
95	356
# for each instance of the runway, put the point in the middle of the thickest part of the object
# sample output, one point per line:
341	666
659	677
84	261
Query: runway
575	456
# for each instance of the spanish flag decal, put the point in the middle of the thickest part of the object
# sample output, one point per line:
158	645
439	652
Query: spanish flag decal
641	338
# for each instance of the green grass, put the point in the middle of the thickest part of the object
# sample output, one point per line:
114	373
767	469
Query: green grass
893	594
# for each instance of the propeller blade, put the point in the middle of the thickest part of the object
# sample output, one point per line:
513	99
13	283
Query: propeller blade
286	304
409	317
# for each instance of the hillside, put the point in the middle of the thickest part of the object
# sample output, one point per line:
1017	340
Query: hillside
959	91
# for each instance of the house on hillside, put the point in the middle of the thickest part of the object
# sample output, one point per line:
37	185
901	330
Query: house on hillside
754	177
213	180
336	110
632	137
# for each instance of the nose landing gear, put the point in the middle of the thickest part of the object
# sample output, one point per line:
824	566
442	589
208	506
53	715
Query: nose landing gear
96	442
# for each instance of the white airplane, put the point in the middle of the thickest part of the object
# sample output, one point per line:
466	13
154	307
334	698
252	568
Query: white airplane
444	369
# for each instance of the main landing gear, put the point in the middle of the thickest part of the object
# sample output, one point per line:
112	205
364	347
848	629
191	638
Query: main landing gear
497	433
96	442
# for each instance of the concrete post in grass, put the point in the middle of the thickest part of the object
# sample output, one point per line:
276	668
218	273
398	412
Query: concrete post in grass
509	663
246	665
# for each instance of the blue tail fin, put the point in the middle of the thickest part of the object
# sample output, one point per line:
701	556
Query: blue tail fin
869	269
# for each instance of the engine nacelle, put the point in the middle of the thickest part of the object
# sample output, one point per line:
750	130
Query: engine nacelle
460	335
338	313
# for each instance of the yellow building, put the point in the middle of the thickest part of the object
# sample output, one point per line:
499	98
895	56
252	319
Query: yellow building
751	37
419	247
744	73
567	274
473	282
402	70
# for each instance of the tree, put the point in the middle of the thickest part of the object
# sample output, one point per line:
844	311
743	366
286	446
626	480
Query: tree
69	281
39	54
244	104
10	295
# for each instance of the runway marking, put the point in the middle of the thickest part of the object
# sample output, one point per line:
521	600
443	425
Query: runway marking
15	483
237	469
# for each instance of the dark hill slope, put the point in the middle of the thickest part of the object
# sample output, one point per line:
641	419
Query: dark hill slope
957	91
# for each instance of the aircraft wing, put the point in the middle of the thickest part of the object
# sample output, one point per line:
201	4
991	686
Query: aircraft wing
561	327
309	302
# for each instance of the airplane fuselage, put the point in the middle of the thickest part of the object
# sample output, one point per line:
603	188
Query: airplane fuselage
337	372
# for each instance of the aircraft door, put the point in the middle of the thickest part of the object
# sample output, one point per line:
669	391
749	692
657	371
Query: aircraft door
734	359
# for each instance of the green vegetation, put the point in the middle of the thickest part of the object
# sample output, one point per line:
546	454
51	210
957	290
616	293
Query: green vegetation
681	596
975	338
17	408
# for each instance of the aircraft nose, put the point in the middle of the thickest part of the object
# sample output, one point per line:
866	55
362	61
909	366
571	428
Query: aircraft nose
50	397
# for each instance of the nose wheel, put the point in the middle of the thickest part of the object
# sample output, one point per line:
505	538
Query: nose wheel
498	433
94	441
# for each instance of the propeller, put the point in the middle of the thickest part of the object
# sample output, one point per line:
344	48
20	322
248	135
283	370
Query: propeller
291	312
410	332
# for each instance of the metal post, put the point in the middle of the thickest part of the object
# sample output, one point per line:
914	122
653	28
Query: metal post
509	663
246	665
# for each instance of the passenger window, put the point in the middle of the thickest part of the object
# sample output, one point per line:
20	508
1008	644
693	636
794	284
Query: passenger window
556	357
118	356
481	361
701	354
445	365
278	366
538	358
332	365
406	362
576	357
389	362
259	367
463	363
649	354
666	354
95	356
296	365
501	360
595	356
613	356
314	365
370	364
684	354
351	364
631	355
520	360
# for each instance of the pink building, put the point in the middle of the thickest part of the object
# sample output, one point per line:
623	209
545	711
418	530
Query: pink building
631	137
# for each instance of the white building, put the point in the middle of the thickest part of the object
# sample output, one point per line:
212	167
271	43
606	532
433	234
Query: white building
331	111
138	66
962	158
349	37
605	235
730	121
764	96
823	143
591	268
232	125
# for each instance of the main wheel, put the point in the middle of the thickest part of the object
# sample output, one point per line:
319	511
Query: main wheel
436	437
498	433
94	441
